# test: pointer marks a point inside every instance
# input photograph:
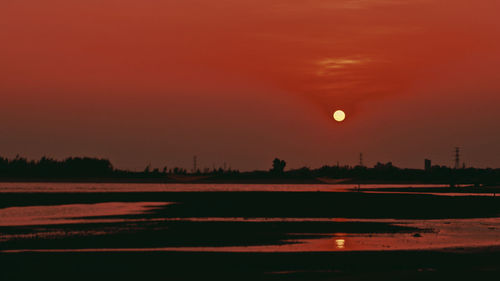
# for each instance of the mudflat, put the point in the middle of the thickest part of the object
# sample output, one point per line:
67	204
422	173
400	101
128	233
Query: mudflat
299	235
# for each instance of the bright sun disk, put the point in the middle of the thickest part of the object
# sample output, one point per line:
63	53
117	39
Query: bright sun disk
339	115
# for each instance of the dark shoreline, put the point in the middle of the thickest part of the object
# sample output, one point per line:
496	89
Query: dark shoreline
274	181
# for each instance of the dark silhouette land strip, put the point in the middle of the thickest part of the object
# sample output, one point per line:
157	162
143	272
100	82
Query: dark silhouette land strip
87	169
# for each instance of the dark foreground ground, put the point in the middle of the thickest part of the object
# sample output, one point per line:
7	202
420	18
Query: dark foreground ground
458	264
397	265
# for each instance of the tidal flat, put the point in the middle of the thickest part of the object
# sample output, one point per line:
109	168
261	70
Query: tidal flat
292	232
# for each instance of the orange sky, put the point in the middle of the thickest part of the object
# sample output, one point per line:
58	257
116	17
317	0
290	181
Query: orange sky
244	81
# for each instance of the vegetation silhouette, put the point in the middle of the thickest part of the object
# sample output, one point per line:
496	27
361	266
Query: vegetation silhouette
95	169
278	166
47	167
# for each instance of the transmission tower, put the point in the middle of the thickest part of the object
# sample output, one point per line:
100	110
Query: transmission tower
361	160
457	157
194	164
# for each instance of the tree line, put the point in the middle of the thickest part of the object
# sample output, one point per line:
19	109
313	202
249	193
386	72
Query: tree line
87	167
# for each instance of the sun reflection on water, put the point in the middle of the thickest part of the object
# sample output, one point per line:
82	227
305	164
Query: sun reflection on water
340	243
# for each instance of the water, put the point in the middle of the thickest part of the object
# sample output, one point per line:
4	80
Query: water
105	225
433	234
71	213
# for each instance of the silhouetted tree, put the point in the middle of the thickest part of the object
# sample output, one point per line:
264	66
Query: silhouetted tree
278	165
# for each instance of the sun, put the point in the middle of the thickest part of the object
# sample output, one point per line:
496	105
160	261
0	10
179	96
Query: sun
339	115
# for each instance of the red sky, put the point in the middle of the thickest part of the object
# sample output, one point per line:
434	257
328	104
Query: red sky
245	81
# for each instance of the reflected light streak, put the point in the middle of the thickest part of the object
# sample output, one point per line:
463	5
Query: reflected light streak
340	243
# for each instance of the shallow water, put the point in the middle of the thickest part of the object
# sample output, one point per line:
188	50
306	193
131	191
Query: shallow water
71	213
63	222
435	234
432	234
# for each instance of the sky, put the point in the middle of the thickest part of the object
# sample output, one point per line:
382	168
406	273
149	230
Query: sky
242	82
